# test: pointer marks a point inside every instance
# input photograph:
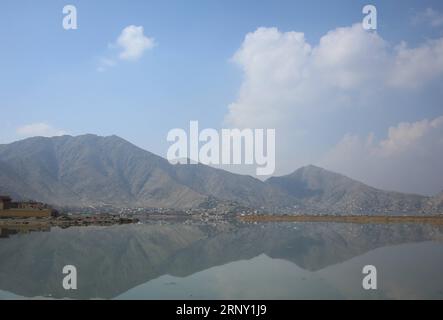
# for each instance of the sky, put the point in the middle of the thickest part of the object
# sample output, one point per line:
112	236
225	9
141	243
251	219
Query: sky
363	103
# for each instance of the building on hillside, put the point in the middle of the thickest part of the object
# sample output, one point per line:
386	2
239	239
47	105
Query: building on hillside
5	202
29	209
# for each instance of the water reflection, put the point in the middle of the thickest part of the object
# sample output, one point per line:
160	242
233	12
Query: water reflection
7	231
177	260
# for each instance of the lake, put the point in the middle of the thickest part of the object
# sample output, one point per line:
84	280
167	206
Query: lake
226	260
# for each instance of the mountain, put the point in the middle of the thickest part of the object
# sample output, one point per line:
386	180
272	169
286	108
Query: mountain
319	190
90	170
224	185
435	204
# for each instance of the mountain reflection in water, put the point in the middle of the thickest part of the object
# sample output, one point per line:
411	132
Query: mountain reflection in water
237	261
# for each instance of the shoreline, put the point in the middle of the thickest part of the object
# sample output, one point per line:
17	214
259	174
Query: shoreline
78	221
30	223
364	219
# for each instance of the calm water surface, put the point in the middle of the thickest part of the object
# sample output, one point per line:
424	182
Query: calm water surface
224	261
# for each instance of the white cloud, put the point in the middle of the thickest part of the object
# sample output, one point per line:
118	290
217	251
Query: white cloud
348	58
106	63
310	92
39	129
415	67
284	75
131	45
408	159
429	16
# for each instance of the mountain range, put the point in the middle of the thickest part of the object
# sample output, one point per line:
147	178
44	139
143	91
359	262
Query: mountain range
90	170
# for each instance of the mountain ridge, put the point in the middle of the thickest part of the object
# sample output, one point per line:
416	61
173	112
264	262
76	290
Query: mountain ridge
323	190
90	170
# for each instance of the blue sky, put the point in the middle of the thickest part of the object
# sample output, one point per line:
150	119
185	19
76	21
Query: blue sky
50	75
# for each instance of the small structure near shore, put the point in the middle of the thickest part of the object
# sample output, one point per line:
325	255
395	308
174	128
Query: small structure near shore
30	209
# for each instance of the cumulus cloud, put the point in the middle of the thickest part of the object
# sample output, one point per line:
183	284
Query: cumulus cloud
409	159
39	129
429	16
313	92
416	67
273	64
284	75
131	44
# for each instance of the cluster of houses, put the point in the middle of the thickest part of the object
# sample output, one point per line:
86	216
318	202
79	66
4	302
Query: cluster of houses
24	209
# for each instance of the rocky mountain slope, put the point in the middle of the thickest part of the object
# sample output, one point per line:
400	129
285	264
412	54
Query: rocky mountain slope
90	170
319	190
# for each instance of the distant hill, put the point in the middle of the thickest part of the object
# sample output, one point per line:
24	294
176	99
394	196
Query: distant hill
319	190
435	204
90	170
